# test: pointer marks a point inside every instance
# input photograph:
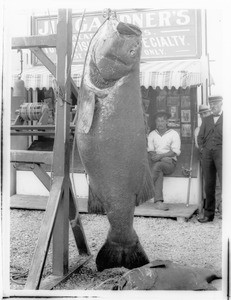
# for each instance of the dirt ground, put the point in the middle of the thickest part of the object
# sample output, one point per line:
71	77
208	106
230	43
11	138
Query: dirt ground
188	243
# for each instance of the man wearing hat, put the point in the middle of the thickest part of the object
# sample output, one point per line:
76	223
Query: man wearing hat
210	145
163	148
204	111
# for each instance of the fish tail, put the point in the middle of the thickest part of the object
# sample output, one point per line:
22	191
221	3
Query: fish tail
115	255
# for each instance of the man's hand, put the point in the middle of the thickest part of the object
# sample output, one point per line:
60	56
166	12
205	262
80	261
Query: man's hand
155	157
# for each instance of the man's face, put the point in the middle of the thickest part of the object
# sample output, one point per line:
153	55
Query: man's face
161	123
205	114
215	107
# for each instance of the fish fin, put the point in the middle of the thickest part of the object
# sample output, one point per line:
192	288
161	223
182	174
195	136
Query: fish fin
86	110
95	206
146	191
115	255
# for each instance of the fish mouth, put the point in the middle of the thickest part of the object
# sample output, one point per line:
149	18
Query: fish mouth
114	53
128	29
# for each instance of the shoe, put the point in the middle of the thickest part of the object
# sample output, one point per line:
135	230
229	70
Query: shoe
160	205
205	219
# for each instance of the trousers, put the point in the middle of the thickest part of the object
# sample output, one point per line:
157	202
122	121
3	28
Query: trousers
211	166
159	169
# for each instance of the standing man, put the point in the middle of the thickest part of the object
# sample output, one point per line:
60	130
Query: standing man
204	111
163	147
210	144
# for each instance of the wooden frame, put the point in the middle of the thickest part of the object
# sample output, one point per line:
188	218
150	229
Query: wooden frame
61	207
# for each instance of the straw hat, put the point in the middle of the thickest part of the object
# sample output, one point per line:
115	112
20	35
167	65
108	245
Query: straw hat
203	108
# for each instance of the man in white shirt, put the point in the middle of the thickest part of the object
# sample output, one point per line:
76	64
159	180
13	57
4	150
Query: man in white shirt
163	147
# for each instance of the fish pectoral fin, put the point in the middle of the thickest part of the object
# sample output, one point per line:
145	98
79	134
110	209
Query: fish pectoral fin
86	110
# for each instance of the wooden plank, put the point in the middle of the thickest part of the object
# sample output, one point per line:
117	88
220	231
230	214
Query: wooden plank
32	127
43	41
176	210
30	202
33	133
38	262
37	127
45	60
25	156
42	176
61	164
60	253
52	281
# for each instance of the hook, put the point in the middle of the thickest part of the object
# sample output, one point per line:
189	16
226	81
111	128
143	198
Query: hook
108	13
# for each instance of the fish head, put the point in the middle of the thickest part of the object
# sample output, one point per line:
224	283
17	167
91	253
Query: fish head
113	53
116	50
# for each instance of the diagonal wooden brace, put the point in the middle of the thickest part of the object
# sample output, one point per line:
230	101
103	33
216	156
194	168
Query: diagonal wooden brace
38	262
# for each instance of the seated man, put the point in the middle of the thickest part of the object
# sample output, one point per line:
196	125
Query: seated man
163	146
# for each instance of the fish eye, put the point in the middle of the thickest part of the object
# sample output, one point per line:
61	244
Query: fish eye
132	52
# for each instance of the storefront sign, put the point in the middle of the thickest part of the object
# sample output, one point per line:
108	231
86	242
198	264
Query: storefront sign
166	34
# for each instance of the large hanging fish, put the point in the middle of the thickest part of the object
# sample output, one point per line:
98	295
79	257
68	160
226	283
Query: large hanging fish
111	139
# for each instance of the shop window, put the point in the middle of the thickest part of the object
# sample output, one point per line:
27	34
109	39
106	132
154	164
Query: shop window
180	103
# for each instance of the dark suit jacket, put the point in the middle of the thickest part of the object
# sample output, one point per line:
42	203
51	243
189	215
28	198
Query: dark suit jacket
210	134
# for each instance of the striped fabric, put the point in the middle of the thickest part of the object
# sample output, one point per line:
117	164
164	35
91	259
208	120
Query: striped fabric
156	74
170	73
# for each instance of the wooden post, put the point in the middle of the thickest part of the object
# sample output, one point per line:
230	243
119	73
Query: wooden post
61	206
61	144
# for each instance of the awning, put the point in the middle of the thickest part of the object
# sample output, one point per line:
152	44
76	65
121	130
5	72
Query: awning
171	73
156	74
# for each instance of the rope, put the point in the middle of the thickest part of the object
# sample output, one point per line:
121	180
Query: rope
15	276
76	42
52	31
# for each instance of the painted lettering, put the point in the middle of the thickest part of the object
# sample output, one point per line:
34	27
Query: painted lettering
137	19
94	25
164	18
44	29
182	39
183	17
154	52
84	25
145	42
125	18
150	19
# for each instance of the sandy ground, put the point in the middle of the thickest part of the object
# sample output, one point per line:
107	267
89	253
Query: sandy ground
187	243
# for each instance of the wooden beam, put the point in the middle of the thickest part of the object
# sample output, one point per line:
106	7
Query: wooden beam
36	127
61	164
33	133
26	156
52	281
45	60
32	127
43	41
38	262
42	176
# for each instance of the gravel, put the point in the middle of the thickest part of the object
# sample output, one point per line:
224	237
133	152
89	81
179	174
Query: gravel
187	243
